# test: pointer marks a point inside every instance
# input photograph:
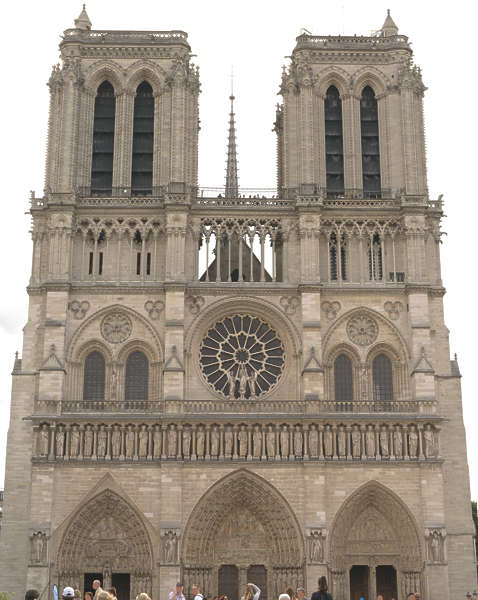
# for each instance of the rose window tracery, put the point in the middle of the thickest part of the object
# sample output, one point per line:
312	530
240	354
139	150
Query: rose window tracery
116	327
241	356
362	330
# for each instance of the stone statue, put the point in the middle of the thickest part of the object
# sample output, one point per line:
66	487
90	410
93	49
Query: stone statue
284	442
116	442
38	547
257	442
214	441
429	438
435	546
252	382
413	442
243	380
298	442
43	439
341	442
228	442
231	381
74	442
170	547
313	442
102	439
172	442
270	442
397	442
200	442
129	442
328	441
60	441
384	442
143	442
88	441
370	442
242	436
316	547
186	442
157	443
356	441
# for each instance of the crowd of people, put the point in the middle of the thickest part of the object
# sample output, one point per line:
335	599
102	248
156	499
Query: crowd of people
252	592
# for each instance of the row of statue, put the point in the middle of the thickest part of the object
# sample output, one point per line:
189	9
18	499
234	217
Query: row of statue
259	442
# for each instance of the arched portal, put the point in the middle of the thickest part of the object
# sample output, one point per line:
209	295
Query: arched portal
374	546
242	527
106	539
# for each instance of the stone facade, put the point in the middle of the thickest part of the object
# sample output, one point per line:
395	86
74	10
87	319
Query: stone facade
244	450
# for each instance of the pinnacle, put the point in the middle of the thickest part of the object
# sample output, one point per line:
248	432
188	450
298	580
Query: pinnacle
232	184
83	21
389	27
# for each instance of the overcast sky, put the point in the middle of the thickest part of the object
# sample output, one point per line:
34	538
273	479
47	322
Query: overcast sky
255	37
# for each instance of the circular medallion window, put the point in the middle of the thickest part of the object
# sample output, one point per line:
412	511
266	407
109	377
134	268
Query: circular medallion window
116	327
241	357
362	330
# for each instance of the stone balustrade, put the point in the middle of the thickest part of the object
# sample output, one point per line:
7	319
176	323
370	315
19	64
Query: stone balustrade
279	441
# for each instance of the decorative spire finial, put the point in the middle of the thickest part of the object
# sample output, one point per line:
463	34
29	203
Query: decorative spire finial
389	28
232	183
83	21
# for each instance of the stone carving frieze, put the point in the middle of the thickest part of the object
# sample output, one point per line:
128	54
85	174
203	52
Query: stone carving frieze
194	304
79	308
154	308
393	309
289	304
362	330
331	309
116	327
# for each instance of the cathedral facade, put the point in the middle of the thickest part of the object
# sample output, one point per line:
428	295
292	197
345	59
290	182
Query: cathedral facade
234	387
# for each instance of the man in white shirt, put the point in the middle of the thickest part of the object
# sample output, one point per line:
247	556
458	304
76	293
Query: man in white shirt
177	594
196	592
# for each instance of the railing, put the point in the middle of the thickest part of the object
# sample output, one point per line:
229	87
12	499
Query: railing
242	406
349	42
111	406
161	37
366	406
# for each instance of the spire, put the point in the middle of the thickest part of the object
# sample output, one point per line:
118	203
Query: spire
232	184
389	28
83	21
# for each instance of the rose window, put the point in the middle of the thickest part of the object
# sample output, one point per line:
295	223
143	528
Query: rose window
241	357
362	330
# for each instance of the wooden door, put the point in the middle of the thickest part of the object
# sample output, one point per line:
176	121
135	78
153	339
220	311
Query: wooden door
228	583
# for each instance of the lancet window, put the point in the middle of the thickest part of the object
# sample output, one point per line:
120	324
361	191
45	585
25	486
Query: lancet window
375	257
343	380
338	257
334	143
103	140
136	377
143	134
94	377
370	144
382	376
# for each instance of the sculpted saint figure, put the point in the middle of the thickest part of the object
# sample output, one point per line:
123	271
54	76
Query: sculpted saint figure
314	442
116	442
88	441
102	437
370	442
435	546
298	441
341	443
200	442
228	442
257	442
284	442
186	442
60	441
413	442
252	382
214	441
157	442
242	436
384	442
328	441
356	442
397	442
316	548
231	381
270	442
129	442
172	442
74	442
38	543
429	438
43	439
143	442
243	379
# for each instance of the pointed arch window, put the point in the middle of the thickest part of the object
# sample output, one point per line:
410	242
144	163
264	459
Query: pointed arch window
103	140
370	144
338	248
382	376
343	380
143	136
375	258
94	377
136	377
334	152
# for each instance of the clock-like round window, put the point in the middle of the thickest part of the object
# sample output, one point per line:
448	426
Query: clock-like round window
241	357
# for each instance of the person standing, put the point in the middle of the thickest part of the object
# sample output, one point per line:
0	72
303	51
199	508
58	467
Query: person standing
177	593
97	588
32	594
196	592
322	593
301	593
252	592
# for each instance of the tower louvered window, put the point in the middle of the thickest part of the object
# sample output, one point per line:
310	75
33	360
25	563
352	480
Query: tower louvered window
103	140
375	258
136	379
382	379
343	379
334	143
143	133
338	247
94	377
370	144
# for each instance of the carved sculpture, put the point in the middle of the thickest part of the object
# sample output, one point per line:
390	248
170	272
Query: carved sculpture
214	441
60	441
101	444
116	442
242	437
43	440
328	441
270	442
284	441
313	442
356	442
186	442
200	442
172	441
143	442
228	442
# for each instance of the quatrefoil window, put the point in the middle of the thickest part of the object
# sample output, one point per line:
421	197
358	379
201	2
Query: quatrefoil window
241	357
